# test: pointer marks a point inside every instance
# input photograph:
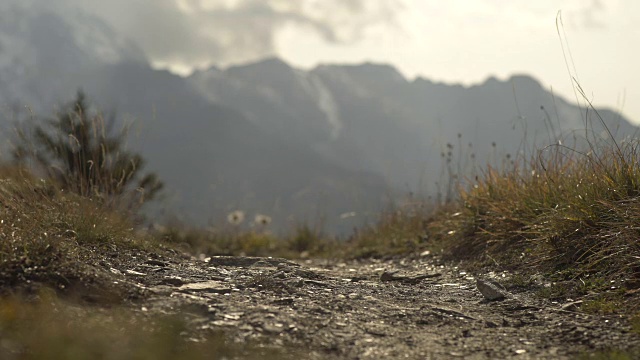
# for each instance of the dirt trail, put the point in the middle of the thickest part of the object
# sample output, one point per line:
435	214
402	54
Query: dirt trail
404	308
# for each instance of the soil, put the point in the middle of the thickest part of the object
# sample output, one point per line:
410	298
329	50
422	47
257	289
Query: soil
404	308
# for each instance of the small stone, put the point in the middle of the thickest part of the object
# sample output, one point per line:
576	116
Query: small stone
490	324
157	263
571	306
490	289
136	273
316	283
388	276
261	264
273	329
173	280
233	316
284	301
296	282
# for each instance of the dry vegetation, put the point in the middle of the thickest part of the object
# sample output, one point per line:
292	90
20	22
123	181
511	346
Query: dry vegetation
46	235
571	213
57	303
303	242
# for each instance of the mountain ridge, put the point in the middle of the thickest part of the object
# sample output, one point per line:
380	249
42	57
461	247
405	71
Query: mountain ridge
266	137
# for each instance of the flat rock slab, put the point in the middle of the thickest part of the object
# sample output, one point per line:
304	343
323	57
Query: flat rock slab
213	286
246	261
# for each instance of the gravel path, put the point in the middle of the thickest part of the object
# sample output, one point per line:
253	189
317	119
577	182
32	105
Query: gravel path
397	309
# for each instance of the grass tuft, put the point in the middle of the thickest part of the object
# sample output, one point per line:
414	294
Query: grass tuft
401	231
48	236
563	211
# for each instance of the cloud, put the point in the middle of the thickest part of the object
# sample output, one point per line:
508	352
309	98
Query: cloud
592	14
200	32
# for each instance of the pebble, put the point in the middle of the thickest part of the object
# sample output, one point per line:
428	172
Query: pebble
490	290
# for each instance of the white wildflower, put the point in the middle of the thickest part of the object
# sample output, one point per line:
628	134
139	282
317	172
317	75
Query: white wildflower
262	220
235	217
347	215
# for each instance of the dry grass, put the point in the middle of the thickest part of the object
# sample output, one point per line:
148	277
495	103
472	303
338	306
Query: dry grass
399	231
303	242
571	213
47	236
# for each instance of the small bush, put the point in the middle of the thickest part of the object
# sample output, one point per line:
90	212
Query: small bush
76	150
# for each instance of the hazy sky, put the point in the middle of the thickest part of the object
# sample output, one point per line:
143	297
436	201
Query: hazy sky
467	41
454	41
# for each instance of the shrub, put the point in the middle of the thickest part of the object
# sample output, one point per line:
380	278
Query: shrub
76	148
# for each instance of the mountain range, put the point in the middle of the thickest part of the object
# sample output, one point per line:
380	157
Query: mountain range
330	146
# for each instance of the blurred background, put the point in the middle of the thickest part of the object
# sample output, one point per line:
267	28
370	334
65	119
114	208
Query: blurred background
322	112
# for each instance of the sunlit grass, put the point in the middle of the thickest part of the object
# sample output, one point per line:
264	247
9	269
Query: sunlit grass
565	210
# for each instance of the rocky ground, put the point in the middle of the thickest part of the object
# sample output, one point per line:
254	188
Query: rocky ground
412	308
